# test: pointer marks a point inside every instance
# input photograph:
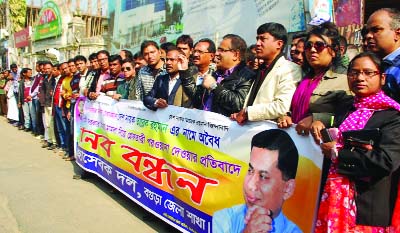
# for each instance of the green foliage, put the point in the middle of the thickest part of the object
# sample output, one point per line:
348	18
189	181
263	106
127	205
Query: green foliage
17	15
174	13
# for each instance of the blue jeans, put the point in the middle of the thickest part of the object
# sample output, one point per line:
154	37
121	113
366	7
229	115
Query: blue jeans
61	127
72	136
29	116
39	118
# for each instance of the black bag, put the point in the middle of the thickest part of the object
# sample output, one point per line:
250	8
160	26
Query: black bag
364	136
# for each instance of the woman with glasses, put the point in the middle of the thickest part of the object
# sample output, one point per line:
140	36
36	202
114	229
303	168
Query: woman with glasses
361	189
130	88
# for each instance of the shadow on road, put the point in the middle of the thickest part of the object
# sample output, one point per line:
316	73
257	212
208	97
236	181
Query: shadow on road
136	210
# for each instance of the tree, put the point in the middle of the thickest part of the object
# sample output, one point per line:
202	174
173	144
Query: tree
177	12
17	15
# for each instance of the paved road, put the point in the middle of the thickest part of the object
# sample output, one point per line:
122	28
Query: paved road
38	194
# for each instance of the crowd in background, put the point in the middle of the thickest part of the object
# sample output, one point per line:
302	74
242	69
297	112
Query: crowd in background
317	86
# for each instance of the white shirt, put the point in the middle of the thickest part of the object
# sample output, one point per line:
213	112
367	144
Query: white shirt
171	83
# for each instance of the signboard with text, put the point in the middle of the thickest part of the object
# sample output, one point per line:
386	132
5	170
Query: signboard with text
21	38
50	22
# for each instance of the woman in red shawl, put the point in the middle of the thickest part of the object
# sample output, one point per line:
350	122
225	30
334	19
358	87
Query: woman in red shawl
361	189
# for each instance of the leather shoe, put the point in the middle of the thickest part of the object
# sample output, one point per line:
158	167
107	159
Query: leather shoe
71	158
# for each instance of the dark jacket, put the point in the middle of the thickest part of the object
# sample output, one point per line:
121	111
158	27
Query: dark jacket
94	75
46	91
21	87
376	172
228	96
160	90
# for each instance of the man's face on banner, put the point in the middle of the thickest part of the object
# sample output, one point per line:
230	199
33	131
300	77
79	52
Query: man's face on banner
264	185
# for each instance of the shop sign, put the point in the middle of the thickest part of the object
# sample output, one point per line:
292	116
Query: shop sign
49	24
21	38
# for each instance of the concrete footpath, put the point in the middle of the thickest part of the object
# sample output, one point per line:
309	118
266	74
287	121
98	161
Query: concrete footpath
38	194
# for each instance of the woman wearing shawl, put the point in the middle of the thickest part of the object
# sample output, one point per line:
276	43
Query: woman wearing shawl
361	189
324	88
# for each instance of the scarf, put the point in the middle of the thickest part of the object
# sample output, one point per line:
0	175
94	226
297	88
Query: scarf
365	107
302	95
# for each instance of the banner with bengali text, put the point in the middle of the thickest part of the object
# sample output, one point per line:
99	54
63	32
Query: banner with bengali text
182	165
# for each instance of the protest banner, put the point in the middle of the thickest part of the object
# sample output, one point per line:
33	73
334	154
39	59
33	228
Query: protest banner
183	165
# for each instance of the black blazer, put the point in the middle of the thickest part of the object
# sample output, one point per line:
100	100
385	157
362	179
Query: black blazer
375	173
160	90
228	96
95	75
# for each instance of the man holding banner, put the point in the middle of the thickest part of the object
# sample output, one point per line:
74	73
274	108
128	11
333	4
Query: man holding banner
269	182
273	88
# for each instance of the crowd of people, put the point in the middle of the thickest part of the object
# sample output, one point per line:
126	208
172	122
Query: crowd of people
316	87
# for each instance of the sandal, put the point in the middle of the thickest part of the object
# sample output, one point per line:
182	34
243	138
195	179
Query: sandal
70	159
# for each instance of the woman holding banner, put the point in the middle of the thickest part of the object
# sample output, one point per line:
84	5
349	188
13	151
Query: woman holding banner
324	87
361	189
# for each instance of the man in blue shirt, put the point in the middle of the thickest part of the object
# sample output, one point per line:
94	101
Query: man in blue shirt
383	38
268	183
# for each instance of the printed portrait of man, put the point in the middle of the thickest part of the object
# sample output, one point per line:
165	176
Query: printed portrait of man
270	181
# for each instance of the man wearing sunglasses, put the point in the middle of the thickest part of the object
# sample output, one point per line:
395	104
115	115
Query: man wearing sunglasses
271	93
383	38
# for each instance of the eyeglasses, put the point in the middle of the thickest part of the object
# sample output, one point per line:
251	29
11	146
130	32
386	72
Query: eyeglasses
368	74
221	50
200	52
126	68
319	46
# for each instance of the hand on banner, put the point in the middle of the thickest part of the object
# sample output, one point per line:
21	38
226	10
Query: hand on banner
93	95
258	219
285	122
303	127
315	130
117	96
240	117
183	62
161	103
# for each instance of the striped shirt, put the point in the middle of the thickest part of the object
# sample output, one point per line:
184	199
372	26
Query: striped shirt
147	76
109	86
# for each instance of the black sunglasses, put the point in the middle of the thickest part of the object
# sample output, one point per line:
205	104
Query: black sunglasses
126	68
318	46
